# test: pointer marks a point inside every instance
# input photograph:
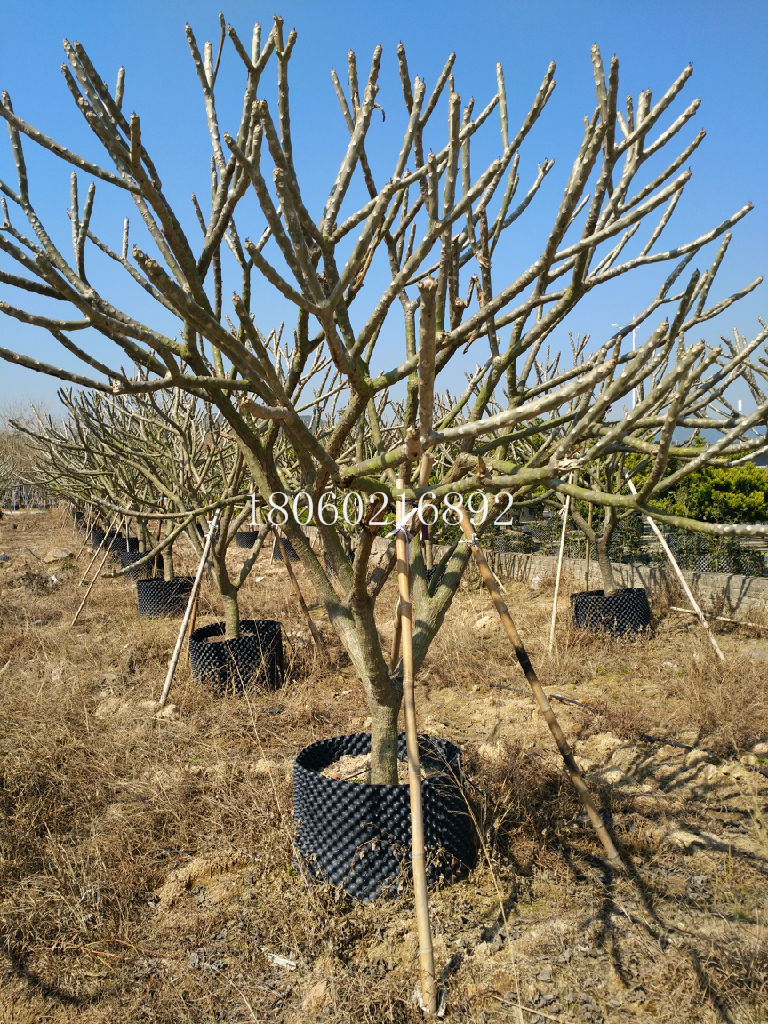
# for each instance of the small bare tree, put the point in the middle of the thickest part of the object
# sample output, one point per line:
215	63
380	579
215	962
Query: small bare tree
154	458
440	229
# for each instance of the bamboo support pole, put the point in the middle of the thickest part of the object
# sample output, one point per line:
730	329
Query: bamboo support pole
681	580
426	371
545	708
90	588
192	619
560	554
418	862
318	640
394	654
720	618
87	532
188	613
98	549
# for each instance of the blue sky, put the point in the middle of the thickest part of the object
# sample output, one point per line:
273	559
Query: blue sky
654	41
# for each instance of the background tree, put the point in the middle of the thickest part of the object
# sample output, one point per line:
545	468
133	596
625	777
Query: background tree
410	277
155	458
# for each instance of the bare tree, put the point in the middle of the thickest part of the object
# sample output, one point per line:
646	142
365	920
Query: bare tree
154	458
438	228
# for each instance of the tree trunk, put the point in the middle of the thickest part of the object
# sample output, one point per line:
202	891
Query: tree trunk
384	742
228	592
606	568
168	563
231	614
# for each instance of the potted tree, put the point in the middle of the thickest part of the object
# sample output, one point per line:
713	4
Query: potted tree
384	295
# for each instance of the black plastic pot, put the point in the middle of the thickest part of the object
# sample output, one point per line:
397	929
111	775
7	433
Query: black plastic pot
117	542
620	614
290	551
358	836
159	597
246	538
96	536
129	557
255	658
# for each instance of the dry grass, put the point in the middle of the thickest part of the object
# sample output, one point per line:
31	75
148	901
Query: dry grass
147	869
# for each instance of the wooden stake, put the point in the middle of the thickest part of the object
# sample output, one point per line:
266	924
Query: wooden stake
188	613
318	640
559	571
545	708
98	549
681	579
394	654
192	619
720	618
90	588
418	862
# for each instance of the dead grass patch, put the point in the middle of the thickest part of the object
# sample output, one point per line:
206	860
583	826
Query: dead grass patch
146	865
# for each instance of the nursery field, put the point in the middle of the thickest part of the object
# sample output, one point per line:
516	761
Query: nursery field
147	870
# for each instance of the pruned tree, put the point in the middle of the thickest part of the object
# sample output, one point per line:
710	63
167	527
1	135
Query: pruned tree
441	231
154	458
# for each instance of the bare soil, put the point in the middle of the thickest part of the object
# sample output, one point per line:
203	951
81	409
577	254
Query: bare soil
146	862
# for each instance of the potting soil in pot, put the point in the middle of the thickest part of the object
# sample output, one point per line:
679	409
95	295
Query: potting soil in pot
358	836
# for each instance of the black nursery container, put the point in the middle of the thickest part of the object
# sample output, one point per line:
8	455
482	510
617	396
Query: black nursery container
290	551
97	536
621	614
254	658
159	597
129	557
246	538
358	836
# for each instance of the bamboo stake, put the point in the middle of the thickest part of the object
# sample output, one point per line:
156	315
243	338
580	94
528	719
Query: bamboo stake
87	532
98	549
394	654
318	640
559	571
188	613
547	713
720	618
427	347
90	588
418	863
192	620
681	579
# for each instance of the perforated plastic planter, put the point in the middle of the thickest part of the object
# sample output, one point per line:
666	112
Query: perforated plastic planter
97	535
290	551
246	538
129	557
163	597
358	836
255	658
621	614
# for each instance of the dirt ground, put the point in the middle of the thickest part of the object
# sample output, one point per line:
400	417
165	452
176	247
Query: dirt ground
146	861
